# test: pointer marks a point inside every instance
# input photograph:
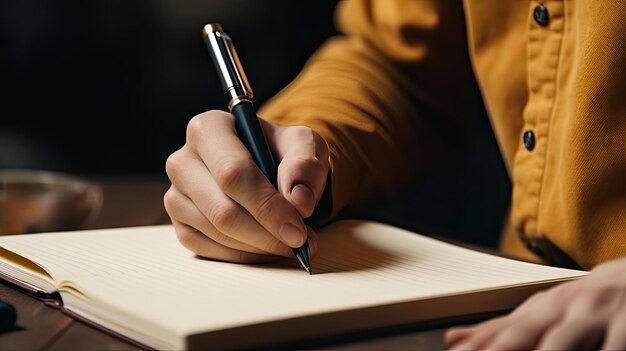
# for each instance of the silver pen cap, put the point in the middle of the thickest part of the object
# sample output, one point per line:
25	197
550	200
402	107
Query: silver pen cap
230	72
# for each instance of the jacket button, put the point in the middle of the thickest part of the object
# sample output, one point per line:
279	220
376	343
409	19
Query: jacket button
541	15
535	248
529	140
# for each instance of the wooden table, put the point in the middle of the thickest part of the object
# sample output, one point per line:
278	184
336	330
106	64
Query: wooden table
132	202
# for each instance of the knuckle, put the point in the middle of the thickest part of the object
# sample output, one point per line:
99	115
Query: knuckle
224	216
311	163
266	208
196	127
230	173
306	133
174	165
601	294
171	201
301	132
204	123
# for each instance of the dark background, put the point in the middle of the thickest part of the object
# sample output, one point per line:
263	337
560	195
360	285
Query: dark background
107	87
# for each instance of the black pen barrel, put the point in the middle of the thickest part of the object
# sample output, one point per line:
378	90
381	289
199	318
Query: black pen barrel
251	134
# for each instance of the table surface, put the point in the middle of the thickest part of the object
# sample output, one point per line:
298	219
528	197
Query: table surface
131	202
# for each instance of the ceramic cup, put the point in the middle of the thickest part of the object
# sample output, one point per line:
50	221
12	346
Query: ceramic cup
34	201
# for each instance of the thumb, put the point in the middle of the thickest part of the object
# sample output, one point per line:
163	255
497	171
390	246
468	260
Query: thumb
303	167
303	199
301	182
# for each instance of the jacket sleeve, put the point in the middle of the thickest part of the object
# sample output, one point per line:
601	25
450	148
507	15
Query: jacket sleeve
391	96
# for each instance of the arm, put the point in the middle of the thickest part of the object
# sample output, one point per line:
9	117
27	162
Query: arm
392	96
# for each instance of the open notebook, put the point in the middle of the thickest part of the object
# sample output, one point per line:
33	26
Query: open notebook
140	283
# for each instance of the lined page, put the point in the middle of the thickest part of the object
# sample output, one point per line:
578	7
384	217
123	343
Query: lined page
146	275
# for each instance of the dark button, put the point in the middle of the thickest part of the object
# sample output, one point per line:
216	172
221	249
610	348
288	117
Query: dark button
541	15
551	254
535	248
529	140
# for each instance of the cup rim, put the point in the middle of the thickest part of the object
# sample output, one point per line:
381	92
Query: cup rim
72	184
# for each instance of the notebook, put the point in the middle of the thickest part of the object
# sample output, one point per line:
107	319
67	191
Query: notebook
141	284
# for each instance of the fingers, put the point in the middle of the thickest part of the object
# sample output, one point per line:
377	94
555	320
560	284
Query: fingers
254	240
474	338
455	335
584	323
219	217
615	338
574	315
571	334
218	192
202	245
239	178
522	329
528	323
504	333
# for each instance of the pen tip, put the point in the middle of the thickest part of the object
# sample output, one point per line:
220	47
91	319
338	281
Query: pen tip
302	254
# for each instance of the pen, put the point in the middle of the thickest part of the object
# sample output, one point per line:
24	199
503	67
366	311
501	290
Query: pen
239	95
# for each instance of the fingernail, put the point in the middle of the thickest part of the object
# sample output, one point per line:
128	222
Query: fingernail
291	235
302	196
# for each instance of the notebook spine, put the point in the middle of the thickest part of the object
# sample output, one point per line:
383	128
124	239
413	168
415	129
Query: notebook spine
49	298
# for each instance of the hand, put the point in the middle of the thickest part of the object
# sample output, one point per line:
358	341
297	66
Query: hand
224	208
580	315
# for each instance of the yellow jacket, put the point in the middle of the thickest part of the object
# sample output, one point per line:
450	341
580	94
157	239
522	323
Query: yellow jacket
393	94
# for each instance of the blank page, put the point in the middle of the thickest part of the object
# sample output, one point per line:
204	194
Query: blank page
144	274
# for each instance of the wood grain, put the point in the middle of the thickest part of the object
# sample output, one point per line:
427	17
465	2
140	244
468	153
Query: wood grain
37	324
82	337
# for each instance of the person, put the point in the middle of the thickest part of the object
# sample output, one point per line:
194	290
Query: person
391	97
